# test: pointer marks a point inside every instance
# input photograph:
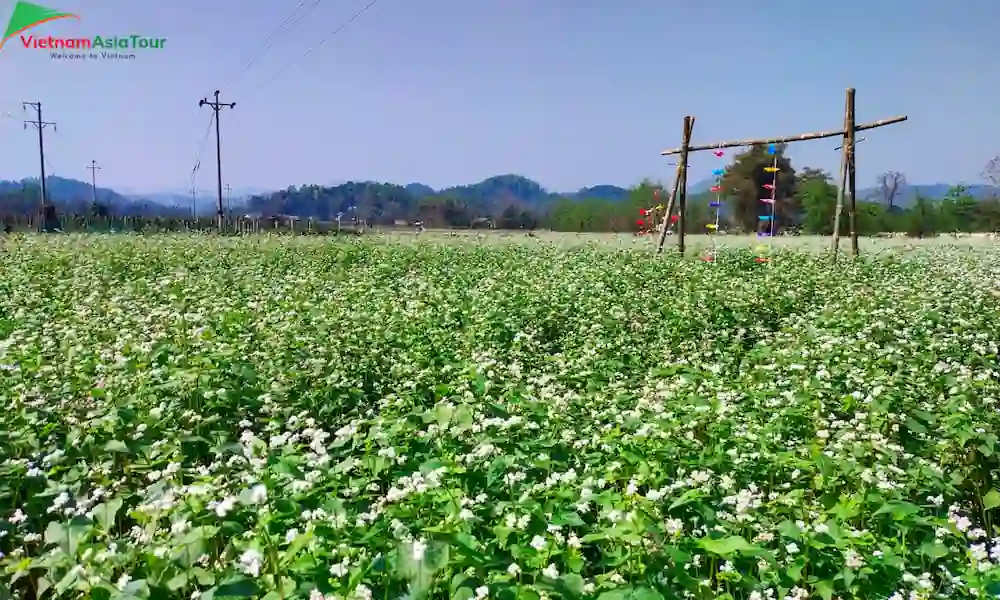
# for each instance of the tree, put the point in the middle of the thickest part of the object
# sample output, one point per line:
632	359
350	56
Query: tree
959	211
888	187
922	218
744	183
992	171
818	198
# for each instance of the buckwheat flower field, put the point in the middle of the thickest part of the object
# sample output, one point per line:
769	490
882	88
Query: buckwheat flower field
302	418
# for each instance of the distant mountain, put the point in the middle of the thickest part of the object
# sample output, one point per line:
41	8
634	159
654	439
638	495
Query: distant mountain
488	197
420	190
932	191
603	192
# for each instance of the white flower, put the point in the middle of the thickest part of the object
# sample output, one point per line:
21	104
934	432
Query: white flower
551	571
417	549
513	570
123	581
792	548
250	562
258	494
482	592
538	543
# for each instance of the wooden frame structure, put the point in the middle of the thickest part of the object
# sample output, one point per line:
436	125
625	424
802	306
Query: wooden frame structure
678	195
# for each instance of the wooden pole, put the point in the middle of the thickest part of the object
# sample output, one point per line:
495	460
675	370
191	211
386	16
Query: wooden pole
682	185
785	139
678	178
851	149
843	179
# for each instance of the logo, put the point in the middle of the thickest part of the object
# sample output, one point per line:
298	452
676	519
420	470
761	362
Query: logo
118	47
27	15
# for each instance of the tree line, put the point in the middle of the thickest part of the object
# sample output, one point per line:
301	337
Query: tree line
806	202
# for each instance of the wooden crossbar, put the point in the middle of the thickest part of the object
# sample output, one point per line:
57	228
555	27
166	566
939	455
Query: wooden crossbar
782	140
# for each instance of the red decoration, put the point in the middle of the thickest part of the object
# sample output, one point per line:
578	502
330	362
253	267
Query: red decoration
718	152
638	222
761	259
673	218
716	188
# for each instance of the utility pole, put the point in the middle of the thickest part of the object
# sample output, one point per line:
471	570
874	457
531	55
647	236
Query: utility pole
93	181
217	107
229	199
40	125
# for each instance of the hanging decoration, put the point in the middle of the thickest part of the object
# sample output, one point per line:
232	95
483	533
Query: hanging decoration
765	228
716	203
647	225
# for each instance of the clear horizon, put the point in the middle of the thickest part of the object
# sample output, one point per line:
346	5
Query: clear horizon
444	94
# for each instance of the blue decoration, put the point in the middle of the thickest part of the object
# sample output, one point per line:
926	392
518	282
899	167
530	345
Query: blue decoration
715	204
765	217
771	149
719	172
763	234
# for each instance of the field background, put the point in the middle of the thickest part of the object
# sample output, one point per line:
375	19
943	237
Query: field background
497	415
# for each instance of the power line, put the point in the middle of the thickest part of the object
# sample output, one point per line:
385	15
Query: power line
201	148
269	41
340	28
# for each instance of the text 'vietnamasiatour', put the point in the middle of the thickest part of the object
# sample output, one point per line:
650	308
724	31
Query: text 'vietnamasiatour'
131	42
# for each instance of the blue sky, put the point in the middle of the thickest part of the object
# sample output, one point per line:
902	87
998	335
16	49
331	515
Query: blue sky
568	92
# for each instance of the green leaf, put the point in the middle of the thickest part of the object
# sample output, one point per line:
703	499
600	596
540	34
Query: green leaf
237	588
824	588
631	593
573	583
68	535
726	546
106	513
116	446
933	550
991	500
464	593
686	498
789	530
899	510
848	576
420	573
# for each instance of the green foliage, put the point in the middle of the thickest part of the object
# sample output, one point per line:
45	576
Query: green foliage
203	417
818	198
744	183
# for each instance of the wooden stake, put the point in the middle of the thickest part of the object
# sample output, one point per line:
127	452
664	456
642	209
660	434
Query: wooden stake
785	139
843	180
682	185
679	175
850	140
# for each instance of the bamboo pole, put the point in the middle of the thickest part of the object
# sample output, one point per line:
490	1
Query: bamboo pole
679	178
786	139
843	181
682	191
850	140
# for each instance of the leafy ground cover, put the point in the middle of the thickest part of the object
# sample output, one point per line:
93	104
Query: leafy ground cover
194	418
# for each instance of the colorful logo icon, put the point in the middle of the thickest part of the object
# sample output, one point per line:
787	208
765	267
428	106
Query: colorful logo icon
27	15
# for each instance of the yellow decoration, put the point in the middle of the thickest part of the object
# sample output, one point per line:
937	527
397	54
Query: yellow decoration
711	226
771	169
